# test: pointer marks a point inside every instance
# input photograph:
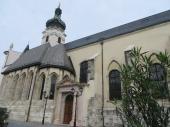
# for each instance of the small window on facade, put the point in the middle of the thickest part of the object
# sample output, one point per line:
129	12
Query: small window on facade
114	85
53	84
59	40
42	86
128	57
83	72
87	71
47	38
158	76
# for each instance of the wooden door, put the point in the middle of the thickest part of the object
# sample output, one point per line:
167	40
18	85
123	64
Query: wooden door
68	109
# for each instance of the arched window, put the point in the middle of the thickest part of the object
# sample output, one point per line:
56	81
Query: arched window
53	84
157	72
158	76
59	40
42	86
114	85
47	38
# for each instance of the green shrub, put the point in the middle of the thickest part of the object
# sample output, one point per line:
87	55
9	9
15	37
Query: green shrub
3	115
142	89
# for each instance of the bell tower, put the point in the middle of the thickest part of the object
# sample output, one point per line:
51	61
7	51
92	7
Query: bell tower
55	29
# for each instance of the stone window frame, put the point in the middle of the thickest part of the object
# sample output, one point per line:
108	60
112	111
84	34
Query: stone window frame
128	56
91	69
87	69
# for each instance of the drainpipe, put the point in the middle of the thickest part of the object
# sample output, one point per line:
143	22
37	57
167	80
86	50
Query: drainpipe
102	113
31	94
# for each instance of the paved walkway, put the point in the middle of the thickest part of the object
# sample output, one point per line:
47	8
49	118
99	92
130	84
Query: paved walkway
32	124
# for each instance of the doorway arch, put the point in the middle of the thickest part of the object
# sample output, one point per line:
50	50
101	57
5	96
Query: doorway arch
68	109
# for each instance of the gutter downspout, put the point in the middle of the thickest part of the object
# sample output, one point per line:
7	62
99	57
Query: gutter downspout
31	95
102	113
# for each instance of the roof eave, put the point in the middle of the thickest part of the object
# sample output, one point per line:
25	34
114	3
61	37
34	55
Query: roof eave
20	68
57	66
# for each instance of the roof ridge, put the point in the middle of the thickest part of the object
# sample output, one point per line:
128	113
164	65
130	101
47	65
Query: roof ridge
121	29
122	25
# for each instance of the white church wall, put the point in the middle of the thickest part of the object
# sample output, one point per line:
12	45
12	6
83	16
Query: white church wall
155	38
53	35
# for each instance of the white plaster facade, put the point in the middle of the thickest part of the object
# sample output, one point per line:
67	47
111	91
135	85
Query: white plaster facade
53	35
20	90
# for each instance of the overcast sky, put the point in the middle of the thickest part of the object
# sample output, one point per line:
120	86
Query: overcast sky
22	21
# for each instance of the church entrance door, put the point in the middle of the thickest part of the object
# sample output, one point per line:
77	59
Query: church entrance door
68	109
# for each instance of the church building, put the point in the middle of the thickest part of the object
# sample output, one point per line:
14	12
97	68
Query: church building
76	82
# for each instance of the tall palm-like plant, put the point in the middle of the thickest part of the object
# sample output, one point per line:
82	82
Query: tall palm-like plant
145	93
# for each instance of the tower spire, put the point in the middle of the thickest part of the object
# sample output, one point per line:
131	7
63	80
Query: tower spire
59	4
11	46
55	25
56	20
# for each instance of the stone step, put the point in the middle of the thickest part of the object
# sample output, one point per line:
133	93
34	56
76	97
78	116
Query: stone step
33	124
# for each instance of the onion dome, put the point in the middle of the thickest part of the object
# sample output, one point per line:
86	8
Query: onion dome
56	21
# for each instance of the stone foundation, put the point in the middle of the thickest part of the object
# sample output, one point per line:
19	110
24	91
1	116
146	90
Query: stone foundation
94	117
18	110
